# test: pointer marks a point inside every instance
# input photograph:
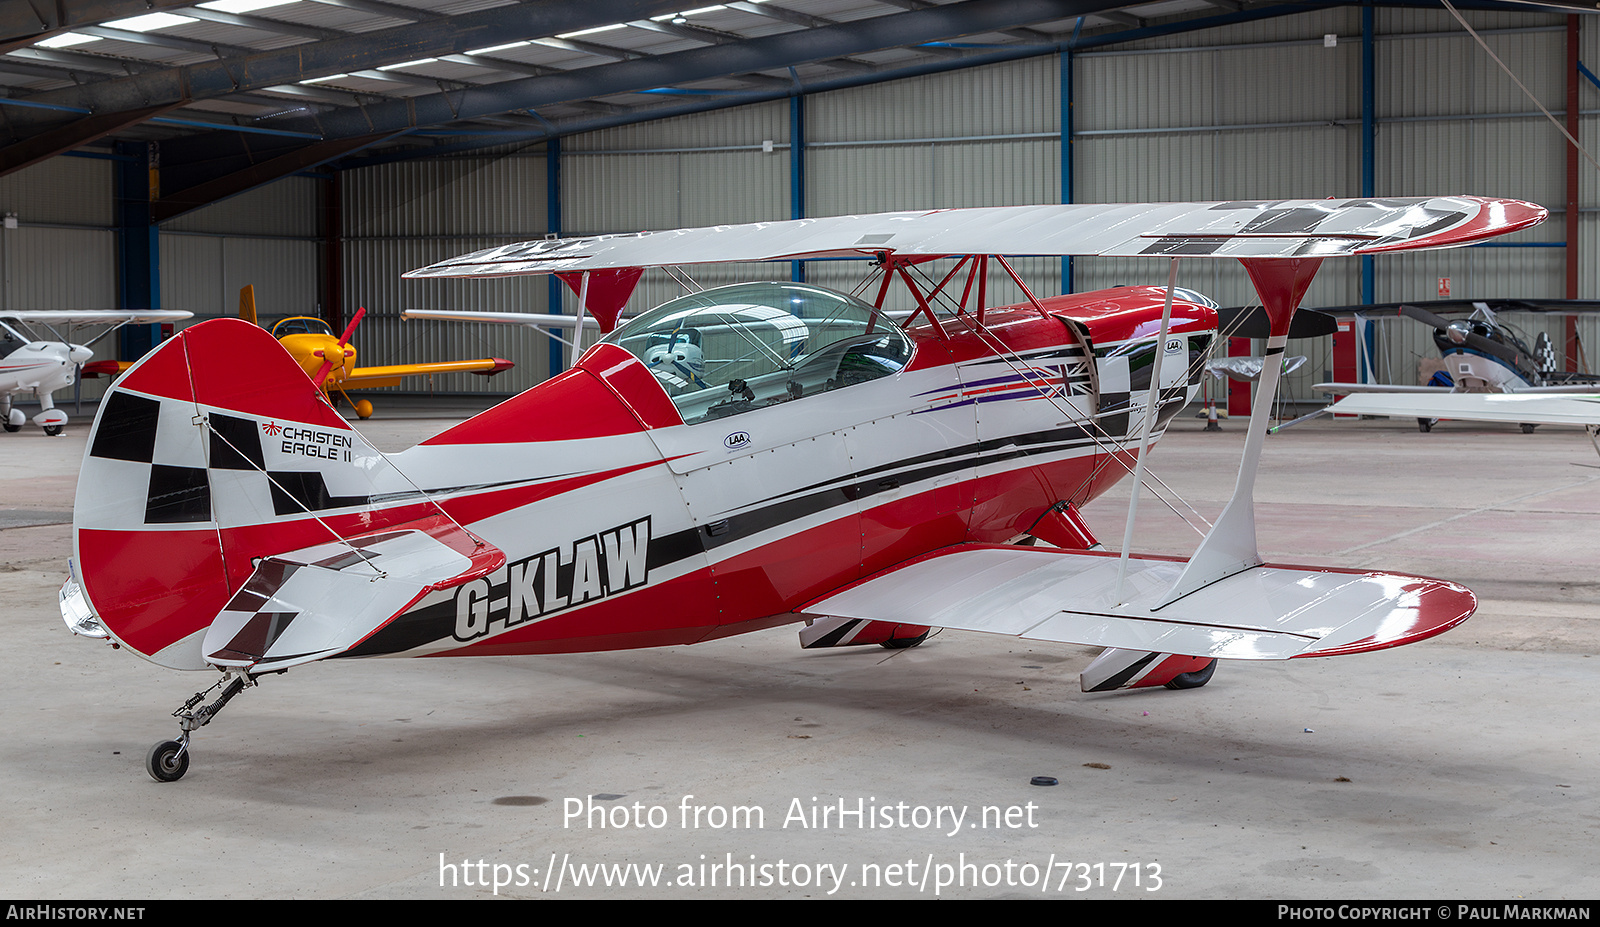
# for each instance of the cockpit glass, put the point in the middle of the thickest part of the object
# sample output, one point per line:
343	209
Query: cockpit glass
301	325
742	347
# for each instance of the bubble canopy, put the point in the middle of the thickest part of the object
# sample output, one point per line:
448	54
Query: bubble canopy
743	347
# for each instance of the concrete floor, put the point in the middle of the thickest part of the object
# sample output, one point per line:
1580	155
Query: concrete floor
1460	768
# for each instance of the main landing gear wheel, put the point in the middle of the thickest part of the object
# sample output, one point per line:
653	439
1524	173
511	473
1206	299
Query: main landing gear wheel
54	430
168	761
10	427
1425	425
1195	679
901	643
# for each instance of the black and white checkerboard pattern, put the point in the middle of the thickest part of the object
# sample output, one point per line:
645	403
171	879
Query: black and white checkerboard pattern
189	466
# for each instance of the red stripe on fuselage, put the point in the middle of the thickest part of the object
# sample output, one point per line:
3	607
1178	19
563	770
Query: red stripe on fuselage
761	587
154	587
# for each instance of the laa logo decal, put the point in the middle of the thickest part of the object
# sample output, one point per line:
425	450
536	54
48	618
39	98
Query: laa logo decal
581	571
736	440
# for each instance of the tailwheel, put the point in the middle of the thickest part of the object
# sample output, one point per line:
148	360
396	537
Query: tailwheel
1425	425
1195	679
1527	429
168	760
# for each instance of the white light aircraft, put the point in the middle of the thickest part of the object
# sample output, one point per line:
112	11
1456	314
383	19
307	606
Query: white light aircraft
1482	355
41	366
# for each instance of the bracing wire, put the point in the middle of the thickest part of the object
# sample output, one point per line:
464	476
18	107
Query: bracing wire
1113	452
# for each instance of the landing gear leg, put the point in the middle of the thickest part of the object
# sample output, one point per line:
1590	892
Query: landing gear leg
168	760
1195	679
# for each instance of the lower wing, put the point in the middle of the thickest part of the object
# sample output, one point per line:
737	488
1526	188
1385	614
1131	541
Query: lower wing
1267	612
1345	389
1522	407
374	377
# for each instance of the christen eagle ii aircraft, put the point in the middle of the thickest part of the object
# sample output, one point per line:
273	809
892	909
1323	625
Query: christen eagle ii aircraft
42	366
820	463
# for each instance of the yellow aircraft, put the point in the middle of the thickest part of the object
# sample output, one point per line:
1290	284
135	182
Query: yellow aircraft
331	361
328	360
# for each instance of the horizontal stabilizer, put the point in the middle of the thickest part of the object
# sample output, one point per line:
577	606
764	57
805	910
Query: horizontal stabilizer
320	601
1262	613
1516	408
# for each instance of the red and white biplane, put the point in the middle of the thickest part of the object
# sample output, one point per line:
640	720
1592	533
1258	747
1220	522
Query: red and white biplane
740	458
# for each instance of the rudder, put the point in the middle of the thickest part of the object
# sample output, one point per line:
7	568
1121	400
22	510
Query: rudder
213	451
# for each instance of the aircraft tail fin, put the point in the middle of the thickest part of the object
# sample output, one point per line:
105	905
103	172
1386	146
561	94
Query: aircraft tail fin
199	481
1544	351
247	303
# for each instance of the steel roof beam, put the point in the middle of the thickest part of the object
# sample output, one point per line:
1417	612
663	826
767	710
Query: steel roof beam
264	24
760	54
380	8
78	132
23	23
166	41
344	53
267	165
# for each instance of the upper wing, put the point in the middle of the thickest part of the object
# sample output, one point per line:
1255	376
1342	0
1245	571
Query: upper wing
1262	613
1245	229
1341	389
97	316
1521	407
374	377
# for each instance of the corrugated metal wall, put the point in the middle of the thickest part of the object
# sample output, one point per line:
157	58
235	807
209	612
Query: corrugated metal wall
1255	110
1259	110
398	217
1271	110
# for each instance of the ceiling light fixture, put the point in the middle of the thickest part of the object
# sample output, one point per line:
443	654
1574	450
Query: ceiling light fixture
495	48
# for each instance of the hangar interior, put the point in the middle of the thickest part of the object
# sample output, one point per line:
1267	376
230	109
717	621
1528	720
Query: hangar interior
164	154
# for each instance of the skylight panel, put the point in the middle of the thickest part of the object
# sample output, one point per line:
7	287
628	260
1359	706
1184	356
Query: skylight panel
151	21
66	40
242	6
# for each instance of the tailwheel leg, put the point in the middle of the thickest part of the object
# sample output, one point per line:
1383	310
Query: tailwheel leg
168	760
